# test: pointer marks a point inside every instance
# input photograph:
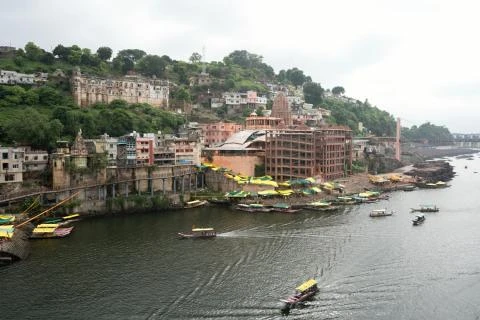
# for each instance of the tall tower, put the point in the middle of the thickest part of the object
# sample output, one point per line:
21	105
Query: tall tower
281	109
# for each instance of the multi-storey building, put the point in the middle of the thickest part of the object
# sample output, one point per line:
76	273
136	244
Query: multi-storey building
11	164
187	149
238	100
144	149
298	153
88	90
127	151
34	160
216	133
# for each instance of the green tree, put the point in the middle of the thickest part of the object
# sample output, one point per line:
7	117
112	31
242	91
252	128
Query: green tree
61	52
75	55
313	93
104	53
33	52
133	54
296	76
243	58
47	58
182	94
195	57
34	129
48	96
338	91
151	65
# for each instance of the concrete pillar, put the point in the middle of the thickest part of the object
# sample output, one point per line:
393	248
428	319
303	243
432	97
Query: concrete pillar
183	184
163	185
113	190
174	185
151	186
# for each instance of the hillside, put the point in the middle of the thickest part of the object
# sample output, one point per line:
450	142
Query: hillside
40	115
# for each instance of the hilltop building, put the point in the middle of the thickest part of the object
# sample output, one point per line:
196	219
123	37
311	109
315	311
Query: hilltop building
87	90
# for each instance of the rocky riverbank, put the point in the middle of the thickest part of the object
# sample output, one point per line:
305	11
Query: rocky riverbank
415	154
432	171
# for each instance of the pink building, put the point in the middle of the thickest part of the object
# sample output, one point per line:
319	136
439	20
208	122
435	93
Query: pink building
254	122
144	150
219	132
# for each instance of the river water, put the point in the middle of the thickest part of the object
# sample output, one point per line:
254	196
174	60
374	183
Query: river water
134	267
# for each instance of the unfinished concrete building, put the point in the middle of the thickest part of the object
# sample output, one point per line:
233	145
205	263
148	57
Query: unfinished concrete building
324	153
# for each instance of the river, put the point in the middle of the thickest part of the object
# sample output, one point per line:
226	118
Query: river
134	266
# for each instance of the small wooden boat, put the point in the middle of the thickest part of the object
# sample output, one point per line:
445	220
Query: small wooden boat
253	207
302	293
7	219
220	202
380	213
419	219
426	208
409	187
49	231
284	208
320	206
199	233
195	203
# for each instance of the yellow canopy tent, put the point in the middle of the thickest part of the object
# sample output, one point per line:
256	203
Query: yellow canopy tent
306	285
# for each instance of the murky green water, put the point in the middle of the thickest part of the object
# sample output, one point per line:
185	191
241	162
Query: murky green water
134	267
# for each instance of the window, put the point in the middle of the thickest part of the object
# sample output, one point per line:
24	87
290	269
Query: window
15	166
26	158
5	166
35	157
9	177
45	157
5	155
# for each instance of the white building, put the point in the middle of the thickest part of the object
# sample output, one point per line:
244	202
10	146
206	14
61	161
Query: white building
13	77
11	164
34	160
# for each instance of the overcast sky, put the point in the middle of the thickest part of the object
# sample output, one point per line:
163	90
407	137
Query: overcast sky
416	59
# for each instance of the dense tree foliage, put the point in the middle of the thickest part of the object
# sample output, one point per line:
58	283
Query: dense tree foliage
152	65
313	93
104	53
338	90
195	57
374	120
436	135
52	116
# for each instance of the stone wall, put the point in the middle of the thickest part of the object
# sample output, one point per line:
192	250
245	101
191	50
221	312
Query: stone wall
239	164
